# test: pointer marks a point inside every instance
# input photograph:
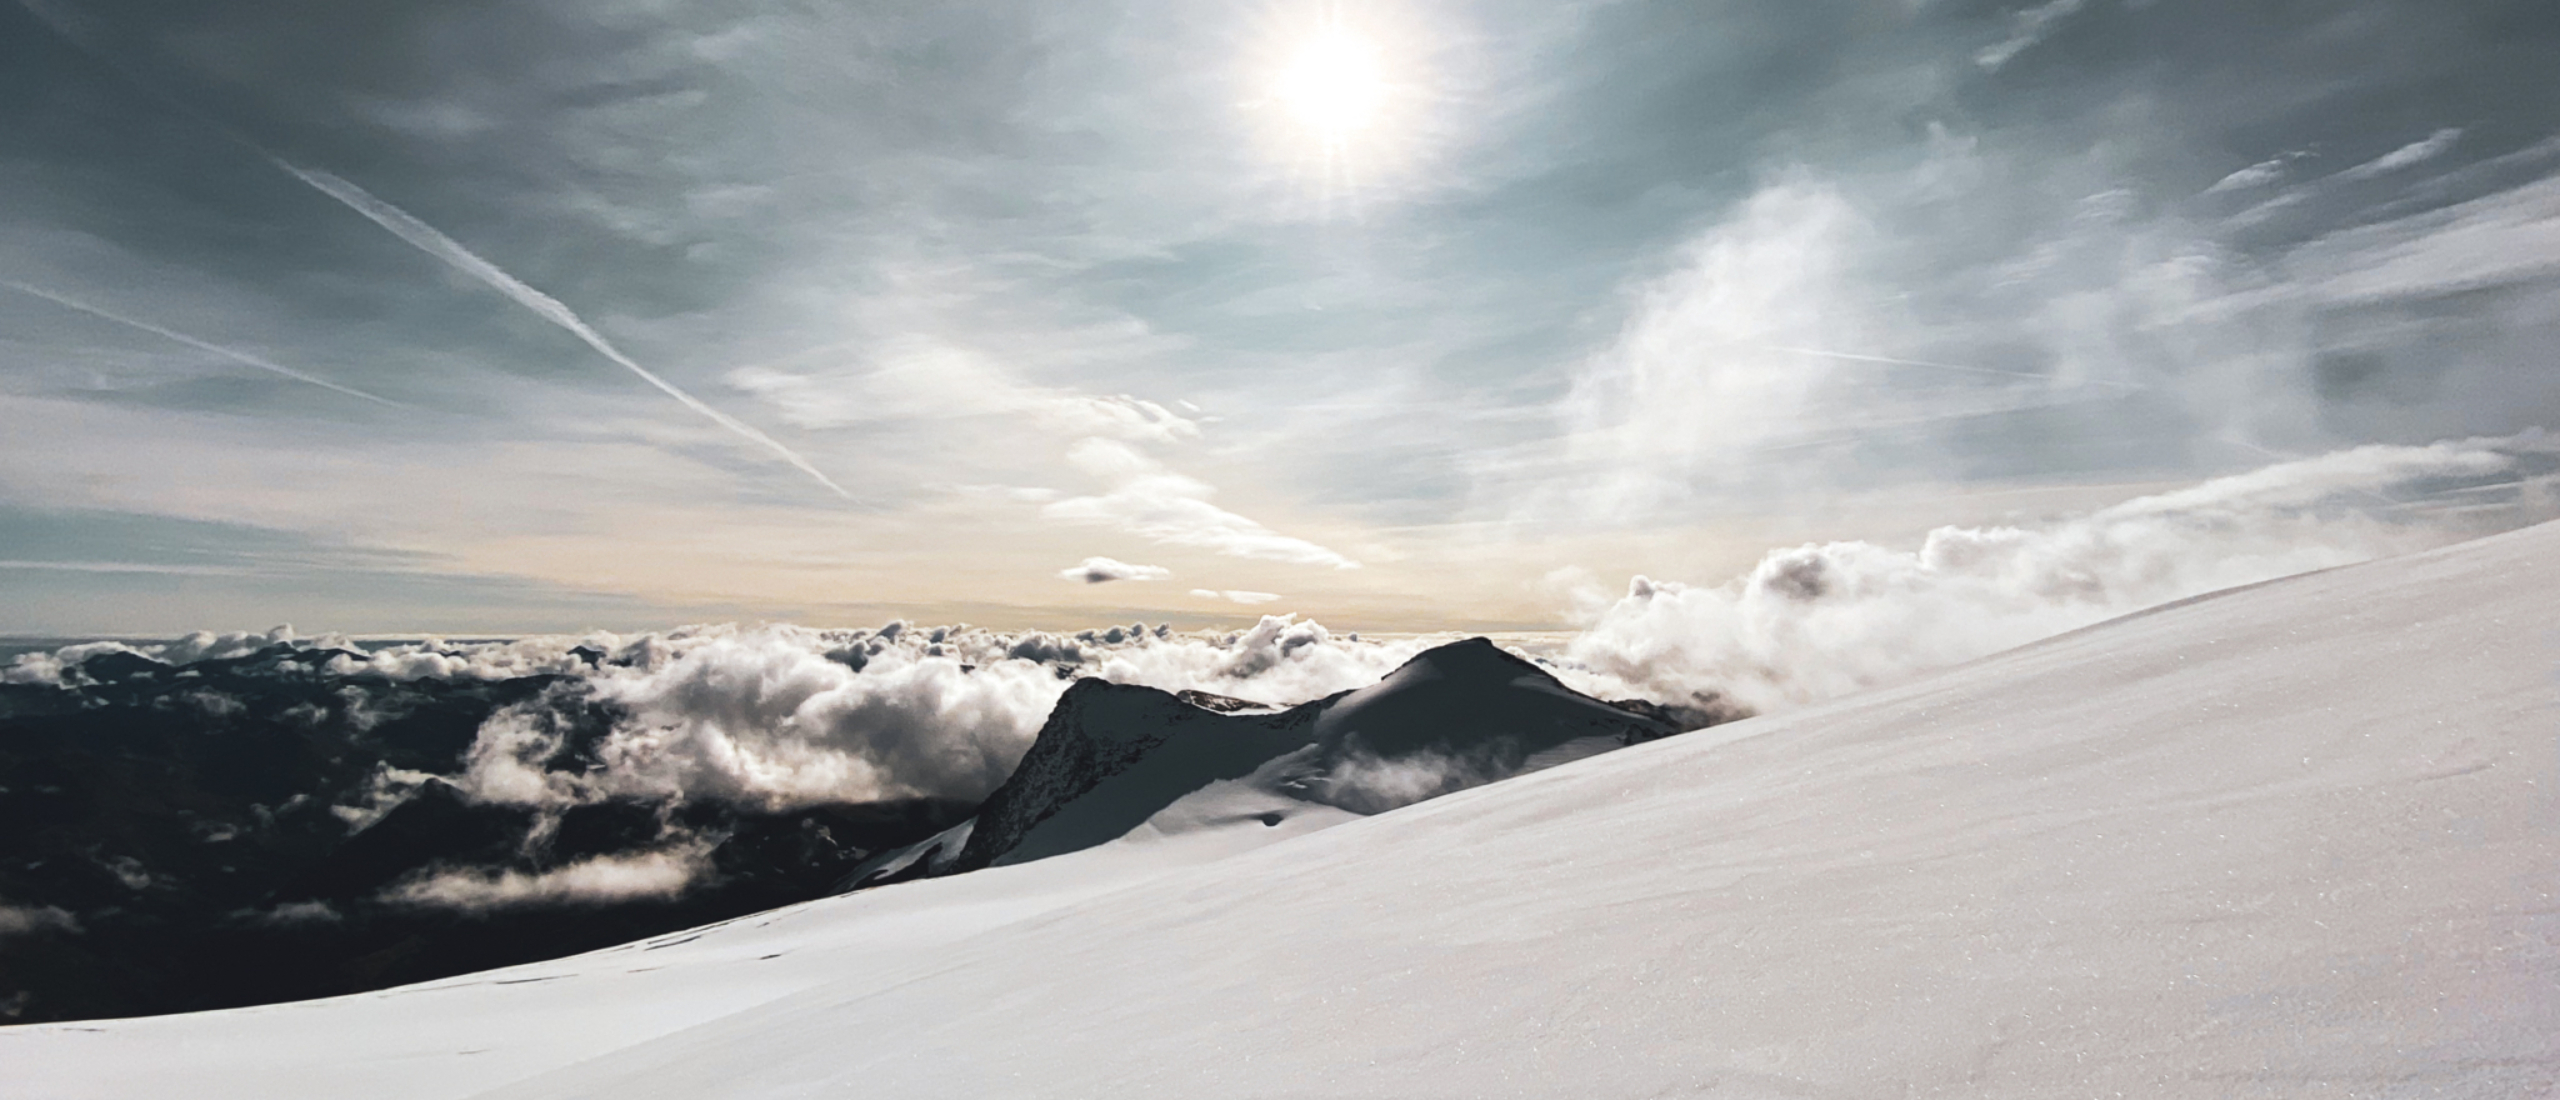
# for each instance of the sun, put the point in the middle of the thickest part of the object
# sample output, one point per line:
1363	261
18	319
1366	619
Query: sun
1341	97
1333	84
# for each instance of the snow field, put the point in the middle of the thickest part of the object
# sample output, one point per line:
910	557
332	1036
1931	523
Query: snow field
2300	839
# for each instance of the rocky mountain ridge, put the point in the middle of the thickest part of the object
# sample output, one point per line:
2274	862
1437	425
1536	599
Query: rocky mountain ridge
1112	756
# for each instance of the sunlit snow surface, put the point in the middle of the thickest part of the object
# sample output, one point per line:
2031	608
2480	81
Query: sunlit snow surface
2300	839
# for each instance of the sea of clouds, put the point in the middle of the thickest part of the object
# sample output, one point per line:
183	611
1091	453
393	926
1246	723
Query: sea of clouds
777	716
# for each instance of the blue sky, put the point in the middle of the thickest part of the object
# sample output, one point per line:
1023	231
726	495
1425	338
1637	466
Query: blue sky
483	317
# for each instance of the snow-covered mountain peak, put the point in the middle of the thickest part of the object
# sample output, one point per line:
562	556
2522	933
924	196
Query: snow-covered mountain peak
1114	757
1473	696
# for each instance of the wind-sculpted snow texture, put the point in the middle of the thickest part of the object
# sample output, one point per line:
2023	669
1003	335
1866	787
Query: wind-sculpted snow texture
2292	840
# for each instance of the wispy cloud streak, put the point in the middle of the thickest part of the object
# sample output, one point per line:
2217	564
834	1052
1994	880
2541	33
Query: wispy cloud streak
125	567
74	27
2407	156
168	334
2027	28
432	241
1891	361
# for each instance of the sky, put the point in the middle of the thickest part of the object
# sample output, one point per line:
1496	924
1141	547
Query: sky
478	317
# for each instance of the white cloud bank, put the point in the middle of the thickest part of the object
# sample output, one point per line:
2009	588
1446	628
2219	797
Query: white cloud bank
1817	621
62	665
775	717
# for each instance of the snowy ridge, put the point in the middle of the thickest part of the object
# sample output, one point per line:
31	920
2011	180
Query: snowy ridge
1112	757
2295	840
1097	731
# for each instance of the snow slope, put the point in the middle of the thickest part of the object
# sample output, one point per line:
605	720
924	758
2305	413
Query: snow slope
2300	839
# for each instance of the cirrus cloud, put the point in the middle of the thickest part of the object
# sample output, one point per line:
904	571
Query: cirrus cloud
1152	502
1236	595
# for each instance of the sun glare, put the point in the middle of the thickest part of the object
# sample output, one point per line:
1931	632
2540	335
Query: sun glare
1345	100
1333	85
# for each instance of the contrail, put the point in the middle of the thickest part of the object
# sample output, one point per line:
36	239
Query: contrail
1949	366
190	341
74	27
433	242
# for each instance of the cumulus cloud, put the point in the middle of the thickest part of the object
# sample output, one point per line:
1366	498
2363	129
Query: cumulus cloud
1148	500
664	873
762	717
776	717
61	667
19	920
1280	660
384	791
212	706
1817	621
56	667
1099	570
294	914
1236	595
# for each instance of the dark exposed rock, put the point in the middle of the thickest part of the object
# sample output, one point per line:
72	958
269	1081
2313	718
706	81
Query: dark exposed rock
116	667
1112	755
1698	713
1096	731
